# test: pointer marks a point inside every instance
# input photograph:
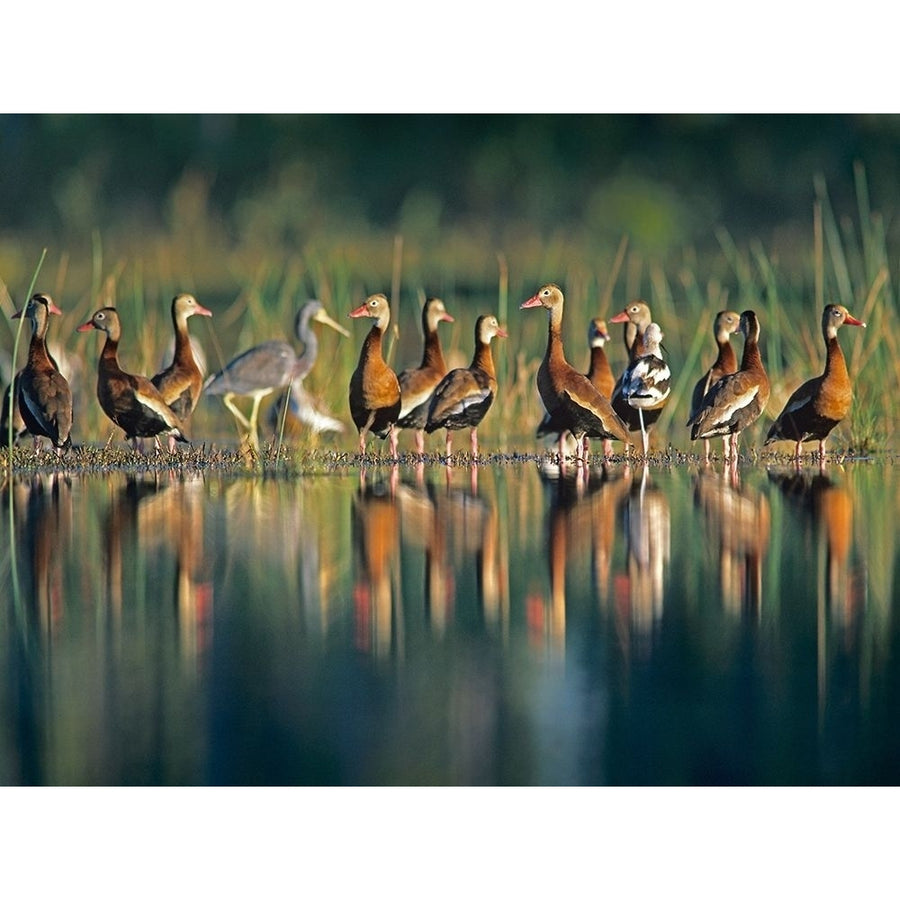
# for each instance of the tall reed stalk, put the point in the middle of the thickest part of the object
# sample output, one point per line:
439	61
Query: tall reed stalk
13	562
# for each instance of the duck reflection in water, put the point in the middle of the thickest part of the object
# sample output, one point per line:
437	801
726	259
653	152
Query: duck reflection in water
827	509
453	525
423	527
177	513
581	526
472	519
376	543
162	513
738	522
44	503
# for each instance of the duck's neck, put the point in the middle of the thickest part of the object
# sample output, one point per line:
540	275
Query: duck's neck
751	359
371	348
182	338
37	348
554	336
638	345
835	364
726	361
484	359
599	363
433	355
109	355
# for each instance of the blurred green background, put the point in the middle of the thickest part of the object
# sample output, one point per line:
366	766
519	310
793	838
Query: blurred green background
284	179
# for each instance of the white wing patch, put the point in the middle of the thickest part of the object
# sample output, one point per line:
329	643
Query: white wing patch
157	407
469	400
797	404
738	403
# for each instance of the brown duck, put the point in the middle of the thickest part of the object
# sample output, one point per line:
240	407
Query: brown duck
819	404
726	323
374	388
736	400
418	384
44	396
181	382
130	401
566	393
464	396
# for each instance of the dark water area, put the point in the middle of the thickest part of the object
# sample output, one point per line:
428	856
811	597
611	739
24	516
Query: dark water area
490	626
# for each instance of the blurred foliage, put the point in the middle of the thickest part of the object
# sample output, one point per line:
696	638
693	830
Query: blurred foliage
282	180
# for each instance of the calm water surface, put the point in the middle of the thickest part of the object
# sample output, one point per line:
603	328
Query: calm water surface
490	626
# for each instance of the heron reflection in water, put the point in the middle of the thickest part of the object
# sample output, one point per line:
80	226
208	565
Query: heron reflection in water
738	522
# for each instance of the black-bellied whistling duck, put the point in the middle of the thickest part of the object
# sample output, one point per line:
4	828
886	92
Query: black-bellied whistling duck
725	324
599	374
44	396
637	317
417	385
270	366
566	394
819	404
646	383
181	382
130	401
374	388
736	400
464	396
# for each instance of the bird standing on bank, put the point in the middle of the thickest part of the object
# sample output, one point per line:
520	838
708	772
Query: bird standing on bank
270	366
636	317
568	396
130	401
181	382
736	400
646	383
725	324
464	396
821	403
43	394
374	388
599	374
417	384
